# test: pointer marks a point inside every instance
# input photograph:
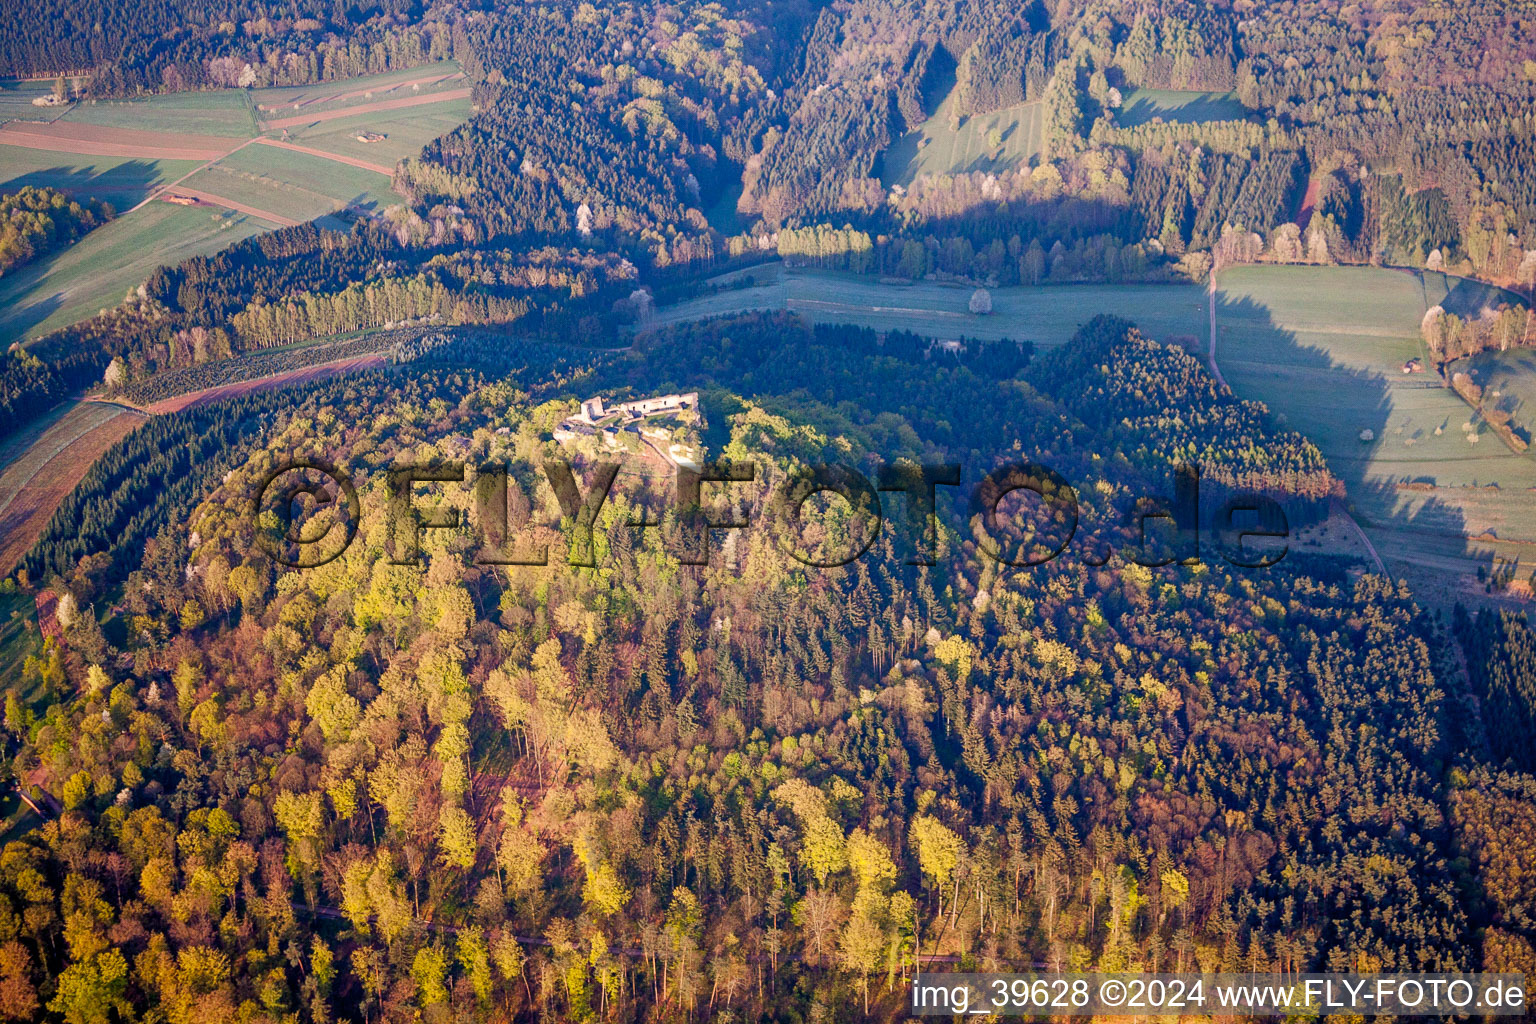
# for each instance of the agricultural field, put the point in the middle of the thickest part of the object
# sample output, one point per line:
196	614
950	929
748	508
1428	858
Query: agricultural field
1177	106
33	484
292	185
226	112
288	100
98	270
16	100
1324	348
938	148
121	181
199	146
1047	315
405	131
1508	380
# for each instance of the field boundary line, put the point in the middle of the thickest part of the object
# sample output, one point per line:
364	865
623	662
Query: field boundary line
349	160
229	204
155	193
336	97
369	108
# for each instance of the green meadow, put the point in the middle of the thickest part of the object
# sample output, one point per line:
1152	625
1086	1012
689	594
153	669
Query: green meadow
1324	348
119	180
383	86
16	101
225	112
294	185
941	147
1046	315
405	132
96	272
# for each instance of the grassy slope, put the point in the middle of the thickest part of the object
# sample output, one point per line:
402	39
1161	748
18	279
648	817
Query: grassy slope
1322	346
16	100
96	271
407	131
294	185
379	84
1508	378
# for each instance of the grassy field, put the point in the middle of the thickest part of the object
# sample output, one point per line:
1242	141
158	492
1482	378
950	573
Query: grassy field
295	185
222	112
330	95
1508	380
1046	315
1178	106
121	181
406	132
16	100
937	148
1324	348
96	271
18	638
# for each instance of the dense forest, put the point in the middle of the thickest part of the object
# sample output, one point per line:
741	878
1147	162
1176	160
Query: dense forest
645	790
170	45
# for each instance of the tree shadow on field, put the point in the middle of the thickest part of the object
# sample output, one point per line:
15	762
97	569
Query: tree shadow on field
1371	429
16	321
123	185
364	203
1467	298
1143	108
